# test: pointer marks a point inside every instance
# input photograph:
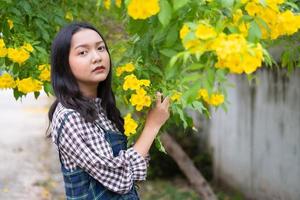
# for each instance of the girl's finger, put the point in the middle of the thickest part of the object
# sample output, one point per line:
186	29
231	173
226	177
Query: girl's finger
158	98
166	101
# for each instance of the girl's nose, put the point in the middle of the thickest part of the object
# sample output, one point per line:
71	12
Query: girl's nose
97	56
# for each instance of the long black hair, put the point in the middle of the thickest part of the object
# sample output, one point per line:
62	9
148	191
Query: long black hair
66	88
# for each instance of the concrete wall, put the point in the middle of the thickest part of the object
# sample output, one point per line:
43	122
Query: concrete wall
256	144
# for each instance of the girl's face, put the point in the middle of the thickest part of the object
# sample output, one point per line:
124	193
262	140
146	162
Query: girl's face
89	60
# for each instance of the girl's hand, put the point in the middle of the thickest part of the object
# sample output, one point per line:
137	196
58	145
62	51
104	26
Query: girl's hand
158	115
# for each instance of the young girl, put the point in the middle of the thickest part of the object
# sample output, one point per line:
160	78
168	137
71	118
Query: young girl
87	126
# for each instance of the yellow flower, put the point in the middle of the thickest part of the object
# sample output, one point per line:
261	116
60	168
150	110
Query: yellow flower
19	55
205	32
69	16
10	23
106	4
129	67
131	82
144	82
194	45
139	9
27	47
3	52
119	71
140	99
252	8
216	99
176	96
118	3
45	75
29	85
129	125
2	44
45	72
202	93
243	28
237	15
184	31
7	81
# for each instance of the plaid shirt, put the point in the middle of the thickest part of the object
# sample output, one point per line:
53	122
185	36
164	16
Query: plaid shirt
82	144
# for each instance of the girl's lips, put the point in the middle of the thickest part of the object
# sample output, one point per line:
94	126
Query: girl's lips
99	68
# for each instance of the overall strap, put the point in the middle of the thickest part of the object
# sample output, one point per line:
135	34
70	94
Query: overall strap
59	133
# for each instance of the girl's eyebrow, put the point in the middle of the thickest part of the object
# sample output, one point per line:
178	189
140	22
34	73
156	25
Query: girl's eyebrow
87	45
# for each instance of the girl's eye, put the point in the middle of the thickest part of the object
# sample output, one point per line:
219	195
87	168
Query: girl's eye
101	48
82	53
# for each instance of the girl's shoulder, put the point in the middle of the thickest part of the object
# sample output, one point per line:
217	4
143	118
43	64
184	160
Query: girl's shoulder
61	112
60	116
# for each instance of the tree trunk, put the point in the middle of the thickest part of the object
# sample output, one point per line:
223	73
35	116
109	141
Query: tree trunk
186	165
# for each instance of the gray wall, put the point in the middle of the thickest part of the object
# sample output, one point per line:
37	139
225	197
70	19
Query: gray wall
256	144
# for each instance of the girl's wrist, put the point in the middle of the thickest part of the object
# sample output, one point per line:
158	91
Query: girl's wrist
155	127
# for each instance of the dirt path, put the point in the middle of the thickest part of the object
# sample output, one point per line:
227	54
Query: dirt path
29	165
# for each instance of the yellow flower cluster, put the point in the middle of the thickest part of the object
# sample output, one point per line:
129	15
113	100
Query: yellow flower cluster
214	99
45	72
236	54
140	99
176	96
205	32
27	47
139	9
279	23
18	55
129	125
7	81
28	85
132	83
242	26
129	67
204	35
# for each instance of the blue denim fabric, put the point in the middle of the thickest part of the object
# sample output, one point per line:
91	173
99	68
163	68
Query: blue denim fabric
79	185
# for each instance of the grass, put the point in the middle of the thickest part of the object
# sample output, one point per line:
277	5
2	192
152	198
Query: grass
166	190
179	189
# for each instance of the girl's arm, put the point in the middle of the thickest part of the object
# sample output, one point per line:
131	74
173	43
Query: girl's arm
155	119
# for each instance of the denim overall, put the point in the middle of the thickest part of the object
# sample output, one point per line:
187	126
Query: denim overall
79	185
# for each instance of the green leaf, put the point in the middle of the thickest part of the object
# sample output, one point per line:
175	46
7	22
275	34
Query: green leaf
191	77
36	95
182	116
254	32
172	36
194	67
165	13
17	94
48	88
197	105
173	60
179	3
168	52
159	145
99	2
227	3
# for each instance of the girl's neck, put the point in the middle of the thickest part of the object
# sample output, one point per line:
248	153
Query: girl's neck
89	91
